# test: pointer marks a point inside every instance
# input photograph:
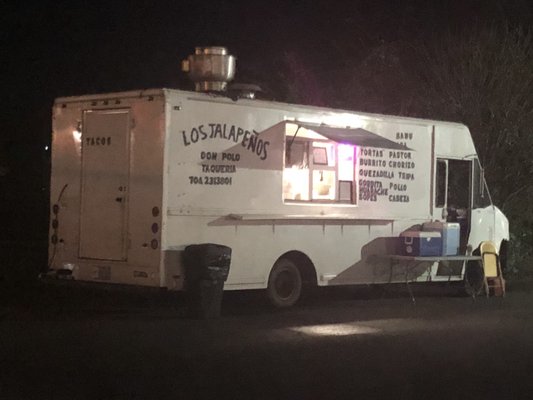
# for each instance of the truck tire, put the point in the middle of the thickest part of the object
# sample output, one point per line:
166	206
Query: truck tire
474	279
503	254
284	284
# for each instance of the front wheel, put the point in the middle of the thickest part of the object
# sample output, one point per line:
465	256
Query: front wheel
284	284
474	278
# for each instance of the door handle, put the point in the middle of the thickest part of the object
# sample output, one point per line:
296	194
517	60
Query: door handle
119	199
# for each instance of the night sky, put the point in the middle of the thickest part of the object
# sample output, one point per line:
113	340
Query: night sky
53	49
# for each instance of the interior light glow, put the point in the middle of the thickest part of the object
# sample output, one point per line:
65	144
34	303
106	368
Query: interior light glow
346	161
324	185
336	330
346	152
76	134
346	120
296	184
292	128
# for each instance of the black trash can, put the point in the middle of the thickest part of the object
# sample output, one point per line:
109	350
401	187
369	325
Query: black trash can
206	270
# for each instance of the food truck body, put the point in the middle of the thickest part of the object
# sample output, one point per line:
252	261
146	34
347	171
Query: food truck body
302	195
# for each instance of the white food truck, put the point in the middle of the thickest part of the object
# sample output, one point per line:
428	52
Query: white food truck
302	195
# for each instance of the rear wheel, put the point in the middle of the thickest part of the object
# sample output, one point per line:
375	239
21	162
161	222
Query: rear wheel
284	283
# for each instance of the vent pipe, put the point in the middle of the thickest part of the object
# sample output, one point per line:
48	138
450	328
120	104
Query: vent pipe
210	68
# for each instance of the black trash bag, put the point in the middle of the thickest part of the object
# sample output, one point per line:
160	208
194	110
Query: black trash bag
204	299
207	261
206	270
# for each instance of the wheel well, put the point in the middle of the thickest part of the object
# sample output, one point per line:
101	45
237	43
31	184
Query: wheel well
504	248
304	265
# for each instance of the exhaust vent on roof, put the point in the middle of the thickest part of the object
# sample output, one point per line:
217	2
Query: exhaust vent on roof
243	91
210	68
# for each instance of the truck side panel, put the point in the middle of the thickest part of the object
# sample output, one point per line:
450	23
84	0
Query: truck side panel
221	189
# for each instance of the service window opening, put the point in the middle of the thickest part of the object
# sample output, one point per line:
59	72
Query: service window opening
318	169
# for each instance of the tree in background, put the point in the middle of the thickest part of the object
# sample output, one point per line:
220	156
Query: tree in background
484	79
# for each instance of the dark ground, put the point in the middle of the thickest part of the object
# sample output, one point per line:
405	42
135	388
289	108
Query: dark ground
83	343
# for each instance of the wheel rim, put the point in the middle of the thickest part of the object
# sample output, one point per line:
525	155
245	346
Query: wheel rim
285	284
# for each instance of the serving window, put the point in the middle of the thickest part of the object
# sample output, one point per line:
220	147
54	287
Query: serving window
318	170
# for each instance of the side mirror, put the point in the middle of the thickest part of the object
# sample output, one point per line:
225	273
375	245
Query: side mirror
482	182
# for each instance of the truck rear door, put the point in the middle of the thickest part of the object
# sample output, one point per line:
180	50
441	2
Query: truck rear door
104	184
